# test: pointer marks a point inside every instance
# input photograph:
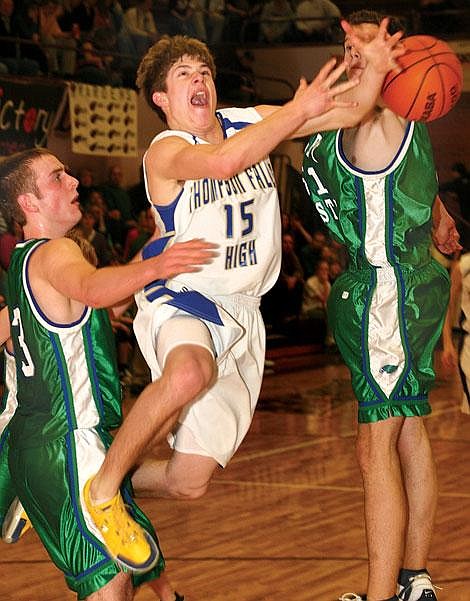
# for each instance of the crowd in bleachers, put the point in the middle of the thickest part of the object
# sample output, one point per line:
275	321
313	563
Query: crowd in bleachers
101	41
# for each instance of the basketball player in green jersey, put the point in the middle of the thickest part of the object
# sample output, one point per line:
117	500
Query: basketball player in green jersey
375	187
67	386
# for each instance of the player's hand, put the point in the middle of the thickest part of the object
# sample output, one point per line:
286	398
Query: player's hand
184	257
382	51
321	94
445	235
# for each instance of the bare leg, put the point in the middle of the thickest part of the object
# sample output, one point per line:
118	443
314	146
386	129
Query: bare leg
385	504
419	475
188	371
184	476
118	589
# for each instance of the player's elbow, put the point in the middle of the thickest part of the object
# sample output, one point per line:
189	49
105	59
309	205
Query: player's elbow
227	165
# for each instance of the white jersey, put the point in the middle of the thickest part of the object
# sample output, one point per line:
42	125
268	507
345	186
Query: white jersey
240	214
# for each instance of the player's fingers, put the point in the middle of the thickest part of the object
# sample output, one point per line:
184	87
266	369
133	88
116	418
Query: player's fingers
344	104
325	71
383	28
344	86
335	74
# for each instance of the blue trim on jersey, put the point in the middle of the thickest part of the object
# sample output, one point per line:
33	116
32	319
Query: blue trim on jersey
360	213
94	375
390	224
403	331
226	124
190	301
63	380
363	171
156	247
33	299
167	212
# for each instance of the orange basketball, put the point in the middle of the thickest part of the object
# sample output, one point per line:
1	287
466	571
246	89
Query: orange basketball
430	82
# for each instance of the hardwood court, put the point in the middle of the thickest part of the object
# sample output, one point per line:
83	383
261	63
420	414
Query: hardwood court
284	521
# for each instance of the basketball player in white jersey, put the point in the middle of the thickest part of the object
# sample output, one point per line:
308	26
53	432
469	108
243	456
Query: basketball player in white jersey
203	337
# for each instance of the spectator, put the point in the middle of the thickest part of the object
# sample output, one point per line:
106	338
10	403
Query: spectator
181	17
81	15
138	194
97	206
141	25
109	15
236	79
316	291
27	27
311	252
215	21
8	242
103	250
199	19
85	185
96	63
282	304
317	20
119	208
59	45
9	28
237	15
139	234
277	21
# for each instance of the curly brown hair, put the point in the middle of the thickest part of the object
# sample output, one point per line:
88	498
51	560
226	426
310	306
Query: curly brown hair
17	177
154	67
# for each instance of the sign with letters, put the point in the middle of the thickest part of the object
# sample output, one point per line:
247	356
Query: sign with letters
27	113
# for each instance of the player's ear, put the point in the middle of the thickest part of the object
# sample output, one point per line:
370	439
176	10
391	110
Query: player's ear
28	202
160	99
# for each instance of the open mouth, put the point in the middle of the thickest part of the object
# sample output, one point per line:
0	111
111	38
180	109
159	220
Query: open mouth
199	99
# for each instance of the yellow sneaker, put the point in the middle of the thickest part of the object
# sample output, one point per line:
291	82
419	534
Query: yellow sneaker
130	545
16	523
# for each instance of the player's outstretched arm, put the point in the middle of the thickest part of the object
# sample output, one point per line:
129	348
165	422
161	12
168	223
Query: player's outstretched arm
172	158
62	265
352	104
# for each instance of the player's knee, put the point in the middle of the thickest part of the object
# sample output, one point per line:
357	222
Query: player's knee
186	490
195	376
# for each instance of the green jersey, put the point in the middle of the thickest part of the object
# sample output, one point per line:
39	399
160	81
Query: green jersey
69	397
67	375
386	311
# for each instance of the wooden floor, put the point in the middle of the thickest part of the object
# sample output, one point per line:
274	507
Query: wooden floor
284	521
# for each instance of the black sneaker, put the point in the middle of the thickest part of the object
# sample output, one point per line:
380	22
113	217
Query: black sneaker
418	588
178	597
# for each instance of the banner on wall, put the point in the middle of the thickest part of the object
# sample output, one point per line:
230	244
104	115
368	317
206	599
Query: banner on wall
27	113
103	120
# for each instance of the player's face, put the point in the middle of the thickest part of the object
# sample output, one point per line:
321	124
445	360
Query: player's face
355	63
58	198
190	100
